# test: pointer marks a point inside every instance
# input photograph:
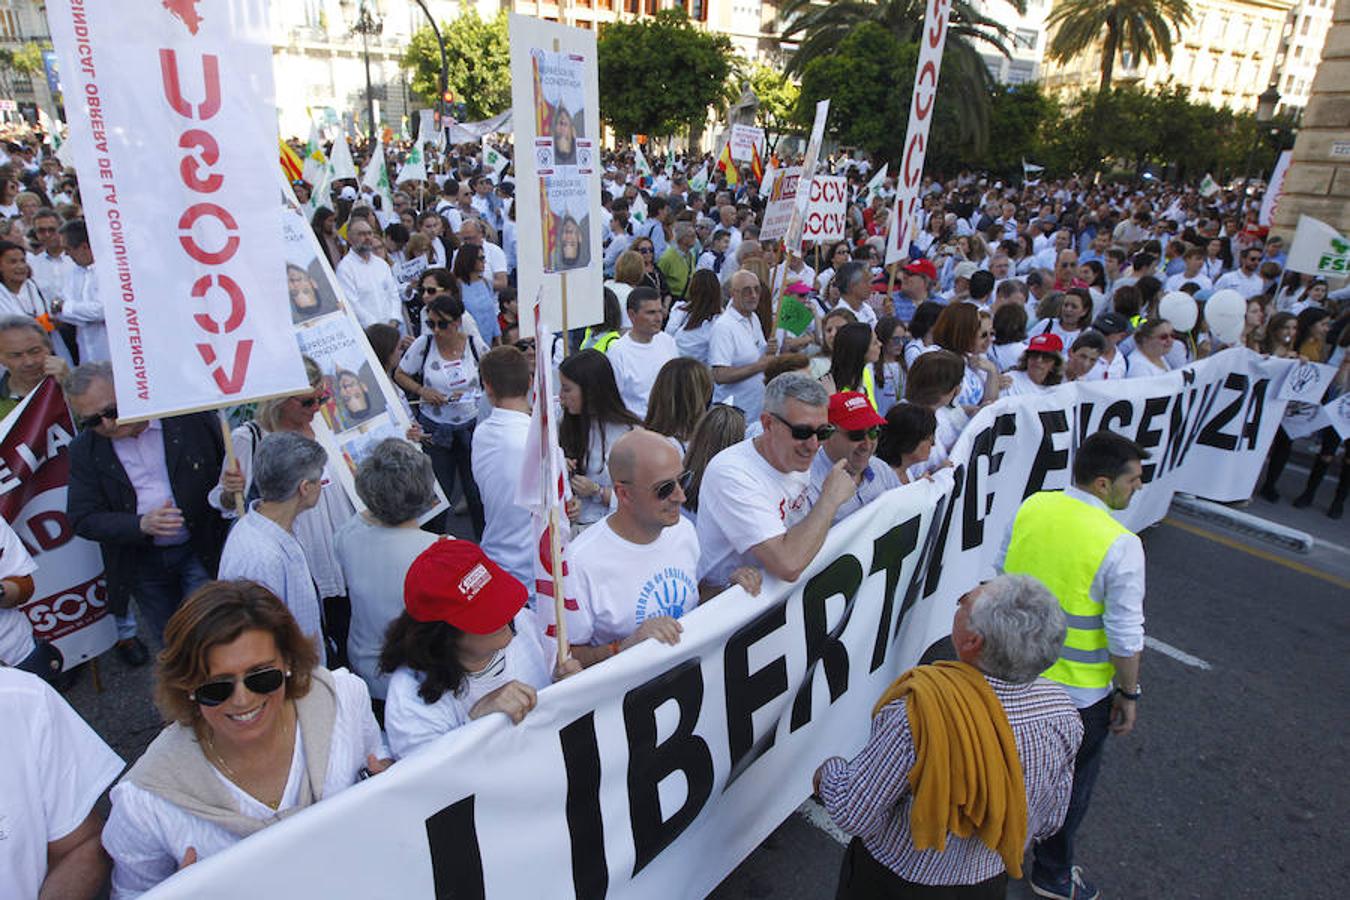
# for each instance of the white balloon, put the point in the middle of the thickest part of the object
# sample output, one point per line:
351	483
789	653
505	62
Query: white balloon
1179	308
1226	314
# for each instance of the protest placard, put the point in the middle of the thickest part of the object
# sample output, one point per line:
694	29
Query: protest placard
827	211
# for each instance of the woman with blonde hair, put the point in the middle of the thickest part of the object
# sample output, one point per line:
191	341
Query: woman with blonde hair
629	271
680	395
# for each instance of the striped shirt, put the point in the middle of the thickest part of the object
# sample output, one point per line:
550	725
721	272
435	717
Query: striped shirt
869	796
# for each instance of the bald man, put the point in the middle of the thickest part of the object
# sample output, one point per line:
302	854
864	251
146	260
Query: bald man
636	571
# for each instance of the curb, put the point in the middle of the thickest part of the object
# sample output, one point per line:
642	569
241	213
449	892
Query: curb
1244	523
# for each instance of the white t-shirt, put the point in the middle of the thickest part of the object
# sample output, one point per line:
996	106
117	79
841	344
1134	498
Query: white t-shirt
1005	356
1175	282
16	632
743	501
737	340
635	366
1108	370
498	457
621	584
691	342
1139	366
455	378
865	313
53	767
368	285
147	835
411	722
1246	285
1022	385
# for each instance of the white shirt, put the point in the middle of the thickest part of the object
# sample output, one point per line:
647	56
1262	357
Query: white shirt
1105	369
147	835
498	454
84	310
50	273
1005	356
737	340
26	301
368	285
864	313
620	584
689	342
635	366
1022	385
596	467
53	768
1118	586
1175	282
972	387
16	631
877	479
375	560
1246	285
457	379
261	550
1139	366
411	722
743	502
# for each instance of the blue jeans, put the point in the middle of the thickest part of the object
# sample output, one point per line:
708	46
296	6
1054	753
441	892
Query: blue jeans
450	448
1054	855
164	576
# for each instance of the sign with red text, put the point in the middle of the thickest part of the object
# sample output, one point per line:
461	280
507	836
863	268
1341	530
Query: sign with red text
780	194
792	241
68	607
173	121
827	211
909	178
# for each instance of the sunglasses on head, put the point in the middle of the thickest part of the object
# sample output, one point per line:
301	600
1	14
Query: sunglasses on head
439	324
525	346
864	434
92	421
806	432
263	681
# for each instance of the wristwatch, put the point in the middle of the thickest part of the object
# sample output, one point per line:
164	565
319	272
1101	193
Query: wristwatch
1128	695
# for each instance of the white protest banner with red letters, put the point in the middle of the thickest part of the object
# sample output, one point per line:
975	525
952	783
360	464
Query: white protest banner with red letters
827	212
656	772
68	607
176	143
904	216
780	194
792	241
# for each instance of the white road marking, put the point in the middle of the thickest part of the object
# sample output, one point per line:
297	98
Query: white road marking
814	813
1180	656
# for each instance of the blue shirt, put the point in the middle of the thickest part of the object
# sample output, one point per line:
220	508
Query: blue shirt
481	303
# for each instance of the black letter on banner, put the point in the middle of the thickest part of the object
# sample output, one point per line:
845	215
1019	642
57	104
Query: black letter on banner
1212	434
1048	459
843	576
1251	426
649	763
1147	436
972	534
456	865
1120	413
930	547
747	692
889	552
939	550
585	826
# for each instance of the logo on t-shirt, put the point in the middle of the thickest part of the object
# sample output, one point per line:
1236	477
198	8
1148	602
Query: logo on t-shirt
669	592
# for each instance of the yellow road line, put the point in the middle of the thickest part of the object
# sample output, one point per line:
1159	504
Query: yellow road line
1258	553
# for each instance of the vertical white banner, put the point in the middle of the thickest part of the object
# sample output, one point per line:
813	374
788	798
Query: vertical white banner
904	215
792	242
177	155
555	91
1271	199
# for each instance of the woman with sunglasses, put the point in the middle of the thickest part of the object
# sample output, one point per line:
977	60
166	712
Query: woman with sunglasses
651	275
475	291
960	329
313	528
1040	368
440	368
258	731
593	419
1152	342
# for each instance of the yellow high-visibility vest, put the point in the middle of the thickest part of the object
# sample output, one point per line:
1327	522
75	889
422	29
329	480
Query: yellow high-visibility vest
600	341
1062	542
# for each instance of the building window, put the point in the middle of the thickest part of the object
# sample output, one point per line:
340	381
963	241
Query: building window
1307	22
630	6
1298	51
697	9
9	24
1026	38
652	6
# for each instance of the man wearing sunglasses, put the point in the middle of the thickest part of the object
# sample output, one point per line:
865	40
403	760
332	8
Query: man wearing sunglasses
139	491
857	427
753	504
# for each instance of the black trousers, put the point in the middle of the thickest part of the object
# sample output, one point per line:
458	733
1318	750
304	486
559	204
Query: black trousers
863	878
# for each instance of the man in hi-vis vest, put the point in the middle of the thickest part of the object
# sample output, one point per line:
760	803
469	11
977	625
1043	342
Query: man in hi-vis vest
1095	566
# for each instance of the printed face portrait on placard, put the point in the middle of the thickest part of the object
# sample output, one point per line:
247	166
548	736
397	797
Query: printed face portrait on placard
566	223
310	294
560	113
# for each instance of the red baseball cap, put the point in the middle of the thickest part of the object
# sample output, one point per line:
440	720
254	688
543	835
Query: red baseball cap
923	267
1045	343
454	582
852	411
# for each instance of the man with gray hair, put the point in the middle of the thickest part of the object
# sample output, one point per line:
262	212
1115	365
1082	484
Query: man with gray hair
288	475
989	706
737	350
855	286
26	353
679	260
751	491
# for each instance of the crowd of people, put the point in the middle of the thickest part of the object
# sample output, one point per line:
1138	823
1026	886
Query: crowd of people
308	645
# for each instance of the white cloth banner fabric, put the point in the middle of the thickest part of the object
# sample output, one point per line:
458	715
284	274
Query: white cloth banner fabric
827	212
792	241
190	268
904	216
472	132
655	773
1318	249
1270	200
744	140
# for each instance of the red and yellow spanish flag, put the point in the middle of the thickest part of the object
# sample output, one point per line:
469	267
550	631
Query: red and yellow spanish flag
727	166
290	162
756	164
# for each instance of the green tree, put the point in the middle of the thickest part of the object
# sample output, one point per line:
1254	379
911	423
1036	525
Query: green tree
823	27
660	75
1018	118
478	60
777	102
1142	28
19	64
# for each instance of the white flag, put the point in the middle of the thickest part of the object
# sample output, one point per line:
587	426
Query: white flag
494	160
1319	249
1030	169
414	168
637	210
699	183
639	161
376	177
876	185
315	159
1208	187
340	159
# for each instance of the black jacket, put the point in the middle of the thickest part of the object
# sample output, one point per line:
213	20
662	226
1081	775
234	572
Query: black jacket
101	503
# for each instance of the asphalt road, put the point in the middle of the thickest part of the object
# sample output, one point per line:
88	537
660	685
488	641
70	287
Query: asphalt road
1233	783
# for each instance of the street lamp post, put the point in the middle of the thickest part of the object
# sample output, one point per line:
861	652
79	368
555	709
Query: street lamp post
367	25
1265	111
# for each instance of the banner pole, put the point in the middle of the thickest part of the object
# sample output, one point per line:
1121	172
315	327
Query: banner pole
231	462
559	603
567	336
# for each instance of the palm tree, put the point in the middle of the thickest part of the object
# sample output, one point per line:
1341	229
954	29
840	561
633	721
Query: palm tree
818	27
1142	28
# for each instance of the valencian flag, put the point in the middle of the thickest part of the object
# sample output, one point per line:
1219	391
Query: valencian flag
727	166
290	162
756	164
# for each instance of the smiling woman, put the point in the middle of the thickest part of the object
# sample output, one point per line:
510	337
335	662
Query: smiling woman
258	732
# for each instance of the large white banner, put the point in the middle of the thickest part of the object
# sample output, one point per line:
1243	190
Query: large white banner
780	192
904	220
827	214
557	157
654	774
176	150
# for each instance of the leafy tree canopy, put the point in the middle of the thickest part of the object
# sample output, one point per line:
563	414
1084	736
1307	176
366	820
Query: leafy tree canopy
478	61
